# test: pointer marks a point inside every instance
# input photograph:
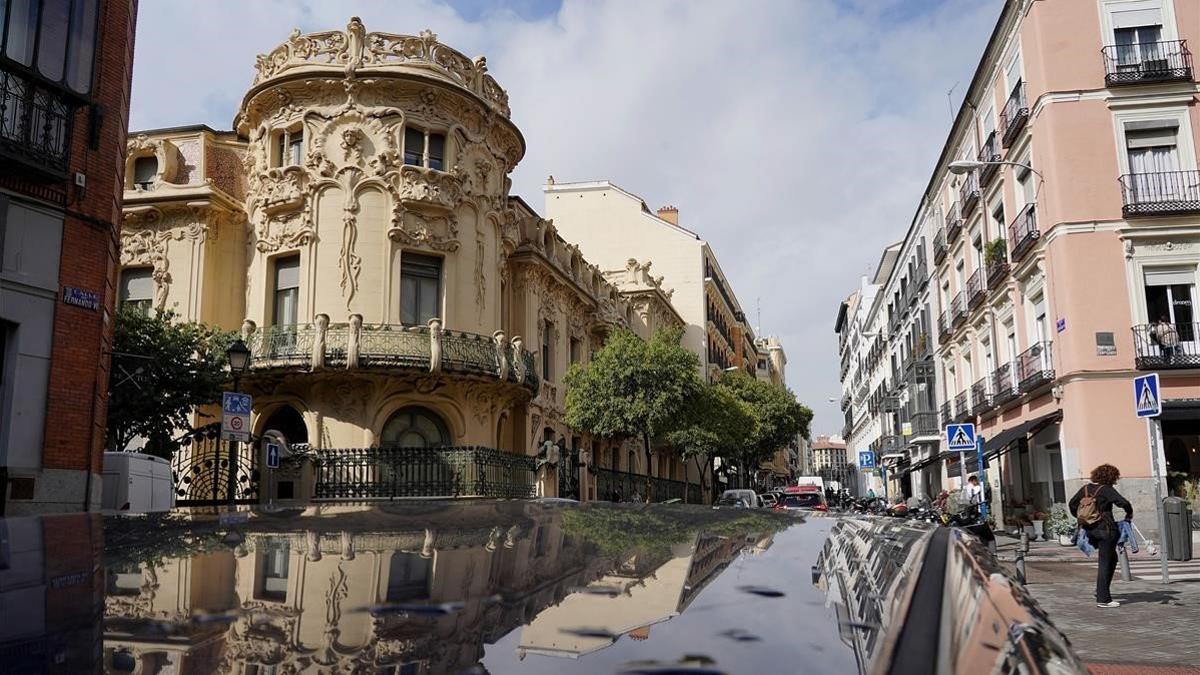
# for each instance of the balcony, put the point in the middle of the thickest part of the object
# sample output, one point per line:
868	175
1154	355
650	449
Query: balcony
1023	232
958	307
962	406
944	326
940	248
35	124
925	423
426	349
1015	115
1147	62
1166	193
989	153
981	397
997	270
1004	384
954	223
1035	367
976	288
1167	346
946	413
968	194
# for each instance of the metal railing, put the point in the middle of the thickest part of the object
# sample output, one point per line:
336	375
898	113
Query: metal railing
989	153
940	247
35	123
924	423
996	272
954	218
1035	366
391	472
1161	193
1166	346
617	486
285	343
968	194
1023	232
1015	114
959	308
945	326
962	405
976	288
981	397
1004	384
946	413
1147	62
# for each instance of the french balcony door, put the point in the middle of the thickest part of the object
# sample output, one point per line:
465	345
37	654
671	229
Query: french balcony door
1172	295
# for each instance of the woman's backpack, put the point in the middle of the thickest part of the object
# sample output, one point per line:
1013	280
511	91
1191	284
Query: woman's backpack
1088	513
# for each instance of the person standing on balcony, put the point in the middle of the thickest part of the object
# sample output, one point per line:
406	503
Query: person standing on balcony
1166	337
1093	507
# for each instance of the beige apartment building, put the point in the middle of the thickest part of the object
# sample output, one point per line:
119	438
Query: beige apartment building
356	227
1059	228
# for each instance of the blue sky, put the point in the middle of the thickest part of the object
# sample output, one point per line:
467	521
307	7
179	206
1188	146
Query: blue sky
795	135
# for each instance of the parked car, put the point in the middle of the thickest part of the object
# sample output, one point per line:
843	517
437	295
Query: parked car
802	497
748	496
768	499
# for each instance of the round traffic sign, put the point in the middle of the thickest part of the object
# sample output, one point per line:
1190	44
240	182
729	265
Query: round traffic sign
235	423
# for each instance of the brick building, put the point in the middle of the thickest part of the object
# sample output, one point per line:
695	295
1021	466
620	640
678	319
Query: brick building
65	71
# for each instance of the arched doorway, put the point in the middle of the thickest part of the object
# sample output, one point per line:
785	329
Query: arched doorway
287	421
415	427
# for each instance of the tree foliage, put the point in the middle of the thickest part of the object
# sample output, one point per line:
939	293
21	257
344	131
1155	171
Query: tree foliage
633	388
161	370
777	417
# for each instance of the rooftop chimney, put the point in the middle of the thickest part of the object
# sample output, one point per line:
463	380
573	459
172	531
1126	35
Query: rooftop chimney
669	214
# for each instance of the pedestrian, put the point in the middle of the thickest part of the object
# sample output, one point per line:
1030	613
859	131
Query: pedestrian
1092	506
973	495
1164	334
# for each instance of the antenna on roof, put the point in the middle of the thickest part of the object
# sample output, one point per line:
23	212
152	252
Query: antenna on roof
949	104
758	316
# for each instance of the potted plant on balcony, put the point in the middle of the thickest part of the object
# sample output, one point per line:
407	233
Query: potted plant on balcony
995	252
1062	525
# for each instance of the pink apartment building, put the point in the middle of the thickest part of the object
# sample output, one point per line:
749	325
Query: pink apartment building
1050	271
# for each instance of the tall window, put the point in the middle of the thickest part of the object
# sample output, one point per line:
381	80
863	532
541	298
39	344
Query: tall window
137	290
408	577
1152	146
57	38
1137	32
144	171
275	570
289	147
424	148
576	350
1170	296
287	291
547	350
998	224
420	288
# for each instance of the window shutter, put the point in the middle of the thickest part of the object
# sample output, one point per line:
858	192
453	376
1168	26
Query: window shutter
1137	15
1170	277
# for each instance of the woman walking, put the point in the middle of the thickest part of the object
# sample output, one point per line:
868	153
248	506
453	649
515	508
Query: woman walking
1092	506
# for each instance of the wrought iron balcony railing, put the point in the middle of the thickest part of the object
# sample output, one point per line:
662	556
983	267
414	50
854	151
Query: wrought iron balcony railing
976	288
390	472
35	124
1160	194
968	194
945	326
1015	115
940	248
997	270
989	153
959	307
925	423
954	218
962	405
1147	62
1023	232
946	413
357	345
981	396
1035	367
1163	346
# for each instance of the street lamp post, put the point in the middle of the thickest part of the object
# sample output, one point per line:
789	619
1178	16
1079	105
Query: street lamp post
238	356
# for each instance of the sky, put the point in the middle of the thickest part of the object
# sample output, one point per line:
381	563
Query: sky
795	136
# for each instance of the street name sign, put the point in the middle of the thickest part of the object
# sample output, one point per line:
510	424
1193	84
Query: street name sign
960	436
1146	402
235	416
866	459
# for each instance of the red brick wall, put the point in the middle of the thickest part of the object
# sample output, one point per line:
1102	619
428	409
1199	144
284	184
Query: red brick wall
79	362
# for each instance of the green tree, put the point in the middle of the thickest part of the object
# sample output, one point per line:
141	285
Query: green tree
162	369
715	422
633	388
778	417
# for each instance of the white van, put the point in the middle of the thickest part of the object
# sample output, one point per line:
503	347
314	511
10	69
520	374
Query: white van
750	497
136	483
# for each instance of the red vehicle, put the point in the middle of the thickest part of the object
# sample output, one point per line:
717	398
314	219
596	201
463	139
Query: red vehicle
802	497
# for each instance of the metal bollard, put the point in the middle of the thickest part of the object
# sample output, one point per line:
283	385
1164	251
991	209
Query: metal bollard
1123	555
1022	549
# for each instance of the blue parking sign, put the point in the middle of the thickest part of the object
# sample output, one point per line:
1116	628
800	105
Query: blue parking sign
866	459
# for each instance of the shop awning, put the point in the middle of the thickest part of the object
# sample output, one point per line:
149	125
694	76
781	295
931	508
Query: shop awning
995	446
1180	409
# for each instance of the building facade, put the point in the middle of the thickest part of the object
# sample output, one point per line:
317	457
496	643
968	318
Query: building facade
64	107
356	228
1063	255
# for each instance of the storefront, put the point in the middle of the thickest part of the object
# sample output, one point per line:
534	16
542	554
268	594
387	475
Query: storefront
1181	446
1029	459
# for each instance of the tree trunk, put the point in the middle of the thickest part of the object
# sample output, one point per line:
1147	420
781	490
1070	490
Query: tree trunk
649	483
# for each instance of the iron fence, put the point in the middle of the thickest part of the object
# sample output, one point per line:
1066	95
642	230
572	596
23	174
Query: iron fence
394	472
1147	62
619	486
1161	193
1166	346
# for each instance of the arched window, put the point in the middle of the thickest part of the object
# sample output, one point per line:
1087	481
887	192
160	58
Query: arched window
415	427
287	421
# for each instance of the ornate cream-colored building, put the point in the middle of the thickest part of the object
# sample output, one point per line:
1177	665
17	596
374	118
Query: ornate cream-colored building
357	228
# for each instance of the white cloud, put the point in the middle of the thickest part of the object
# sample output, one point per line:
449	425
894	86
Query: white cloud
794	136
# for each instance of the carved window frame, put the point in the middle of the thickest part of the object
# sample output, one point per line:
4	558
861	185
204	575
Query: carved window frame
426	130
280	138
162	150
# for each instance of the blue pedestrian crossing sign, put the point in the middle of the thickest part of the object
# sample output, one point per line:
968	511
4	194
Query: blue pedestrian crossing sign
866	459
1146	402
960	436
272	455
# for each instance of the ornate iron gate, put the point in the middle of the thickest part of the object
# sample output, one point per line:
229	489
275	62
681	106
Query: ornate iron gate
200	470
568	473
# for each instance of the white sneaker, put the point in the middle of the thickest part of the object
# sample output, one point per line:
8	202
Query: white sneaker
1114	603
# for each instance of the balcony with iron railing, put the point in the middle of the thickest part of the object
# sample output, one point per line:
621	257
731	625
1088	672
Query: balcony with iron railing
968	194
1035	367
946	413
981	396
1146	62
940	247
1023	232
958	306
945	326
1165	193
962	406
1166	346
924	423
1004	384
35	123
976	288
920	277
954	220
997	270
989	154
350	346
1015	115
